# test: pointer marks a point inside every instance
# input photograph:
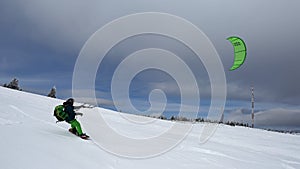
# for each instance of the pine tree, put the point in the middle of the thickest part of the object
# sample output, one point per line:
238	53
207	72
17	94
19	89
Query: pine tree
52	92
172	118
14	84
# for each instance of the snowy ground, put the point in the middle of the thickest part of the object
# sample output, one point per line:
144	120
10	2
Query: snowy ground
30	139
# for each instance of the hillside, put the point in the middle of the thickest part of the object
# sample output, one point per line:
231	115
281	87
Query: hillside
31	139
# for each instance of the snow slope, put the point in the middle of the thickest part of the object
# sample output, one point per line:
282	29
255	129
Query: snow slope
30	139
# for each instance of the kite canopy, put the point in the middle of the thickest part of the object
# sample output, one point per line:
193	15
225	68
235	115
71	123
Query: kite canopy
240	51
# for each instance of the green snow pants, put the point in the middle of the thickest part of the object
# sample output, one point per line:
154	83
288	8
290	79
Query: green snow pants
76	125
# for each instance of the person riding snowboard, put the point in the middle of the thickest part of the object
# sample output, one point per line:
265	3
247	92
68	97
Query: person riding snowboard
75	125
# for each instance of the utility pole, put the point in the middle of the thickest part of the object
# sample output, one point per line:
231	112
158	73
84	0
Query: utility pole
252	101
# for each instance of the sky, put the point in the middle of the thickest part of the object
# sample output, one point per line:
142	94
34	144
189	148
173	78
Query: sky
41	40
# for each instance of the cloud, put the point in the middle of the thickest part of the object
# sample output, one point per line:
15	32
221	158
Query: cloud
276	117
82	96
46	36
101	102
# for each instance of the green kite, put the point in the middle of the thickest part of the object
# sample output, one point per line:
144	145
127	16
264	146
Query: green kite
240	51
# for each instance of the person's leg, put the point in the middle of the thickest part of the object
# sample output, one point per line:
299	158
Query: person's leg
76	125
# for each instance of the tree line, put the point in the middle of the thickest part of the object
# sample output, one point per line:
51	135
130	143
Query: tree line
14	84
199	119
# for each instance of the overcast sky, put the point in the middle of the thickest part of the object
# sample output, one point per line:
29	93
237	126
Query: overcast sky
41	40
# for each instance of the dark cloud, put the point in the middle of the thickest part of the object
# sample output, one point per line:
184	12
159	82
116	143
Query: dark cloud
272	118
43	39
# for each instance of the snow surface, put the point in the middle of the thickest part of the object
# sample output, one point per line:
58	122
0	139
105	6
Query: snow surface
30	139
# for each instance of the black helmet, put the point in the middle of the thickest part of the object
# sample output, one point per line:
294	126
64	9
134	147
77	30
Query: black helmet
70	101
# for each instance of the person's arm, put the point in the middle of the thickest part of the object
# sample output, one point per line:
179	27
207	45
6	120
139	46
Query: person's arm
83	106
78	107
78	113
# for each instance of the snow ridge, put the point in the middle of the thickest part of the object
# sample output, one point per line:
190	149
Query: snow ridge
30	138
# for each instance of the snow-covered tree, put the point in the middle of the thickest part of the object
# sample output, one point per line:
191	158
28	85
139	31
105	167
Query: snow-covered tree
14	84
52	92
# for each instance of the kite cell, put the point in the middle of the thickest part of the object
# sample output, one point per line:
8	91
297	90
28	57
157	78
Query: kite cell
240	51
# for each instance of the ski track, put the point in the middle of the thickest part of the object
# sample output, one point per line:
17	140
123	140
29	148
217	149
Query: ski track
288	164
10	117
34	118
8	122
216	153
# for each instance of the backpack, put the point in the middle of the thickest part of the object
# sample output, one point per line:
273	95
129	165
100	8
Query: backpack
59	113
